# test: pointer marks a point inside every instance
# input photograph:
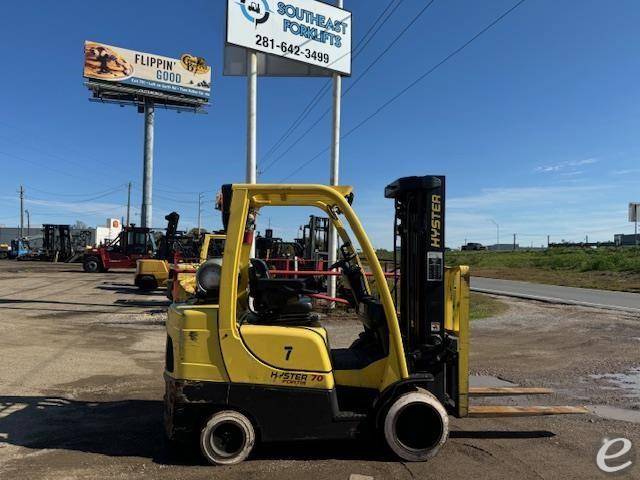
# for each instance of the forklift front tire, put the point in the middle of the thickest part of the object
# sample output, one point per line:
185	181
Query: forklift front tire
416	426
91	265
227	438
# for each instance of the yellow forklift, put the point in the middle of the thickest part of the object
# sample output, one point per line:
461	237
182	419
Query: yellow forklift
181	284
248	361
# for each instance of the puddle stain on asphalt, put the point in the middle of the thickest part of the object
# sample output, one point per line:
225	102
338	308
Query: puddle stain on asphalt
629	381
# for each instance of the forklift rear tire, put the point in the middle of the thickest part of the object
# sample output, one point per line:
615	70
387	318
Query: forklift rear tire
227	438
147	283
91	265
416	426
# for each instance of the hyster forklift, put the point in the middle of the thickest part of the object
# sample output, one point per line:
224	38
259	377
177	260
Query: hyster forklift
247	360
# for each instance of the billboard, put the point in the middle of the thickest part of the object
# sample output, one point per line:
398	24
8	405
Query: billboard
634	212
188	76
307	31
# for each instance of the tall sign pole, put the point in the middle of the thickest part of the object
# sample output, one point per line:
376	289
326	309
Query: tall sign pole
147	171
252	122
252	114
334	176
128	204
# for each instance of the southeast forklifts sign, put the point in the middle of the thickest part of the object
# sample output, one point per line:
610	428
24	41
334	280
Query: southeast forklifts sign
188	76
305	30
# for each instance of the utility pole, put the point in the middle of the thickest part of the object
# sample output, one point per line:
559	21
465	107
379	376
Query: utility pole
498	230
514	242
128	205
21	211
586	239
147	172
334	177
548	242
200	195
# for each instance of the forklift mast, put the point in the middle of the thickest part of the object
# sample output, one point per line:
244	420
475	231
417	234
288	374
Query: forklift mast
419	227
168	248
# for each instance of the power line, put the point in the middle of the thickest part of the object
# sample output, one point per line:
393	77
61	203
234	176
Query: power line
355	82
411	85
316	99
96	195
389	47
359	51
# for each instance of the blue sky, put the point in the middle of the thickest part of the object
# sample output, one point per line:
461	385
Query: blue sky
535	124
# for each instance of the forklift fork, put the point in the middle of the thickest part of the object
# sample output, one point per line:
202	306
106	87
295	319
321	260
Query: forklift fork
457	324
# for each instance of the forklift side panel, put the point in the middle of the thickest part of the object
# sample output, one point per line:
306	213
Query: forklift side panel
288	348
196	349
368	377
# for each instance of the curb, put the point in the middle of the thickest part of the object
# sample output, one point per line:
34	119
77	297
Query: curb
557	301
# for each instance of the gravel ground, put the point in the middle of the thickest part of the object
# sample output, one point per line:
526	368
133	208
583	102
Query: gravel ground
81	389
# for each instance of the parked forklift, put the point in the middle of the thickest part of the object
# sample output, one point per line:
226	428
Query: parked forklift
20	248
131	244
181	284
247	359
152	273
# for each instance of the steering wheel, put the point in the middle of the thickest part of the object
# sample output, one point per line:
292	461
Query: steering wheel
344	261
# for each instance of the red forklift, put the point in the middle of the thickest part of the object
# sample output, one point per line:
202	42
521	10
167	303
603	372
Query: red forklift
131	244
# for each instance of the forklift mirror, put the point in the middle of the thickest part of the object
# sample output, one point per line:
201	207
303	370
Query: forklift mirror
349	198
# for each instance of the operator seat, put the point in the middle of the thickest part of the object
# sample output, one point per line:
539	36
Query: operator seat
278	301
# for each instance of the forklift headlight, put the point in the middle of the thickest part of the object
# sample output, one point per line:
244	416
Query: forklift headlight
208	277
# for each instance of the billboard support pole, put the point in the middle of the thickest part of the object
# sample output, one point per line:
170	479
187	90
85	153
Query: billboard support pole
334	176
147	173
128	204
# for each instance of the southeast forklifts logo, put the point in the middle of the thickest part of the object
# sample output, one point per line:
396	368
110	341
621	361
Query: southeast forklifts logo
257	12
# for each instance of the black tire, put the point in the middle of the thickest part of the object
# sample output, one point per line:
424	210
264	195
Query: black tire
416	426
227	438
92	265
146	283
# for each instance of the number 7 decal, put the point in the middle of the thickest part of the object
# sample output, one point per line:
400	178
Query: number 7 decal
288	354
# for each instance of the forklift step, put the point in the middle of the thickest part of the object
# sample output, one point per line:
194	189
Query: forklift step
349	416
507	391
483	411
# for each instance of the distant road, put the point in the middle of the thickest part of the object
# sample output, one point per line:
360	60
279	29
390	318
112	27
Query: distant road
555	294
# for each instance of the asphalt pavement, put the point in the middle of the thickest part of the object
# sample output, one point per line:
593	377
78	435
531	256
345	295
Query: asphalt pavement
589	297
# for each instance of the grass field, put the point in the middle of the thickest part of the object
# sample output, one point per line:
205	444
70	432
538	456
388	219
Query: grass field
603	268
484	306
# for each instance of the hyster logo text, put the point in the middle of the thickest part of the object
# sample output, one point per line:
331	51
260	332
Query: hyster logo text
436	221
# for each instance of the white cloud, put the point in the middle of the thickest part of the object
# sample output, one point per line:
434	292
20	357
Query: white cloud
625	172
568	165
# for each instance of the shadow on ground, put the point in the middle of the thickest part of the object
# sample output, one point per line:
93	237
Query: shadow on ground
128	428
131	428
134	428
130	290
